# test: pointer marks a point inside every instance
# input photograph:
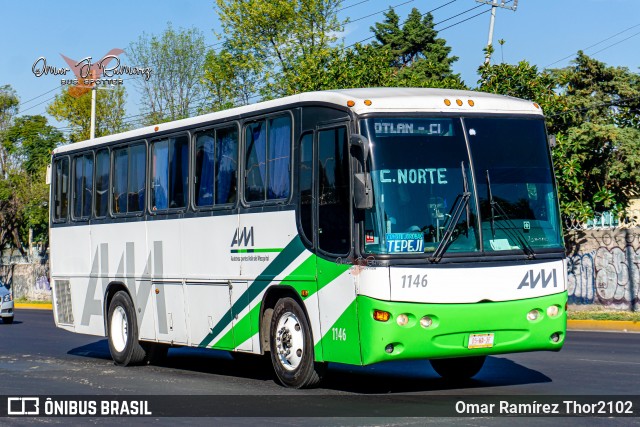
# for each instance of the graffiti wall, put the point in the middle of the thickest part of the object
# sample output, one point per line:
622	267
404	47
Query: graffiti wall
604	268
27	277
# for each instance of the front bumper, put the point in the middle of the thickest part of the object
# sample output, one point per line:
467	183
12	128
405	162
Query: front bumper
448	336
6	309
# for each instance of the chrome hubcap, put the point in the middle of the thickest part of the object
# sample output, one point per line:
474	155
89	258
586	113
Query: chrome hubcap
289	341
119	329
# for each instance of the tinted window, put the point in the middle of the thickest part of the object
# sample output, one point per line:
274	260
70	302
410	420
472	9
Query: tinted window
129	166
513	169
333	191
137	172
305	182
170	173
268	155
61	193
82	186
102	183
216	167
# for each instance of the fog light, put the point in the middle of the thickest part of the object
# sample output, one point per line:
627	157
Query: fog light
552	311
389	348
402	319
426	321
555	337
533	314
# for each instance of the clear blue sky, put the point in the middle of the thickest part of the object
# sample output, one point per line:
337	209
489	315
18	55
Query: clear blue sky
542	32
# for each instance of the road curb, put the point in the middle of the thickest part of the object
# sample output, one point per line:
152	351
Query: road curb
604	325
33	306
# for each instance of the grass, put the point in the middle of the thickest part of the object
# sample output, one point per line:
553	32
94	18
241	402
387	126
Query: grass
26	301
600	314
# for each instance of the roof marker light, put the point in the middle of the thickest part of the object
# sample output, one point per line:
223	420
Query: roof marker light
459	102
350	103
367	102
447	102
535	104
157	128
471	103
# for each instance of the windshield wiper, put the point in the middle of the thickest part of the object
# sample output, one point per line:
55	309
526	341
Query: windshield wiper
458	206
512	232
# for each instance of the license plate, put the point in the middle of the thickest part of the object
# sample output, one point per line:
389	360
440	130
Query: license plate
480	341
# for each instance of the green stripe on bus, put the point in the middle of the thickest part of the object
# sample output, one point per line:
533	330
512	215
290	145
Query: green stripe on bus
329	271
255	251
277	266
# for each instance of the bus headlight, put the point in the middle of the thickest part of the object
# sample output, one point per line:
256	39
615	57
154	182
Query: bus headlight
426	322
553	311
402	319
533	314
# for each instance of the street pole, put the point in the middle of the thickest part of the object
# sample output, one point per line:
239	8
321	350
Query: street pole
494	5
92	129
491	24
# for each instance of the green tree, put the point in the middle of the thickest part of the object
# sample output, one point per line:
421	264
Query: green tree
419	57
525	81
176	58
597	93
280	40
110	112
24	193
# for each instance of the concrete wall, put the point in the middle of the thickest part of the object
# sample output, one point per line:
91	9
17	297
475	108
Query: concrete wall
604	268
27	277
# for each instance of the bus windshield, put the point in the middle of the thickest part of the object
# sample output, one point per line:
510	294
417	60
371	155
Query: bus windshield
423	183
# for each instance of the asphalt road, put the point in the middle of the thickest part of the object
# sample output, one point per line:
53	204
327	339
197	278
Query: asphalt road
37	358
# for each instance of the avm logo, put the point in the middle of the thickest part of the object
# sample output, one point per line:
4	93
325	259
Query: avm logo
243	238
531	280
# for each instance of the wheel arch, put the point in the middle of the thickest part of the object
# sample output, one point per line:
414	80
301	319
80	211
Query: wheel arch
269	301
113	288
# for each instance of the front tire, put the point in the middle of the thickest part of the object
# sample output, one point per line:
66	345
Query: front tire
123	331
460	368
292	346
7	320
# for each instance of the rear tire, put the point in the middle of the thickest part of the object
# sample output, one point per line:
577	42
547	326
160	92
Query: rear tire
292	346
123	331
460	368
156	353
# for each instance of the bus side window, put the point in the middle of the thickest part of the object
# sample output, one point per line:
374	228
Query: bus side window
137	174
334	225
82	186
169	173
102	183
268	159
305	182
61	194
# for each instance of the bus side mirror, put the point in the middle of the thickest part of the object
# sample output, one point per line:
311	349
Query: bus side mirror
362	188
361	142
362	194
552	140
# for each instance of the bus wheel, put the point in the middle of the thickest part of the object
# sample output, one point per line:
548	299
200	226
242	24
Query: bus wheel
292	347
155	353
123	331
461	368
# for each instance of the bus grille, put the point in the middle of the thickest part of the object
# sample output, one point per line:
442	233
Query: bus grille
63	302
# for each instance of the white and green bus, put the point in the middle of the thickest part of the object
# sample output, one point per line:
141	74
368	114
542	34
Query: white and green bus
352	226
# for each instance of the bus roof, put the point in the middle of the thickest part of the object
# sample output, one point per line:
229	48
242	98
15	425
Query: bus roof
383	100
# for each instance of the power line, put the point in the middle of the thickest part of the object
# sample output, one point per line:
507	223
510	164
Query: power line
613	103
600	42
39	96
618	42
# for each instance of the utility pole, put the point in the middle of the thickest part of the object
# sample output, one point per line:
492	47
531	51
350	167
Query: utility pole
494	5
92	129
